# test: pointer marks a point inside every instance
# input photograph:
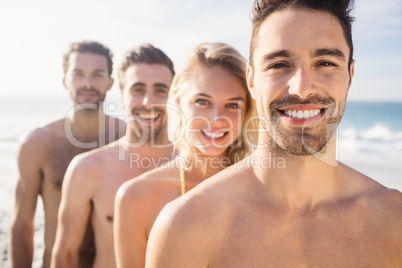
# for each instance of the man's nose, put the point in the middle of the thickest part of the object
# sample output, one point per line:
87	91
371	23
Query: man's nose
88	82
148	100
302	83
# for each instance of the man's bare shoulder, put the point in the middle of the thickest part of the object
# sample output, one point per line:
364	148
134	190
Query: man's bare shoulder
381	208
381	205
231	183
194	223
39	141
147	194
91	163
389	201
187	221
95	157
368	188
45	133
212	201
384	205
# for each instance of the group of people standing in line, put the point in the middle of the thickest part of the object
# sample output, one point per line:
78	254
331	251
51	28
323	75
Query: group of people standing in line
206	197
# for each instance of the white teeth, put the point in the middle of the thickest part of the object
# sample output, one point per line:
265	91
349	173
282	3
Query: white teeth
148	116
214	135
302	114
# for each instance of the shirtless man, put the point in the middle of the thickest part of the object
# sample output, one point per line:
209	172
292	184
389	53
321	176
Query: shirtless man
312	212
45	153
93	178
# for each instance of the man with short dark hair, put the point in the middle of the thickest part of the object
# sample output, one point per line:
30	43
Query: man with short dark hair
45	153
93	178
314	212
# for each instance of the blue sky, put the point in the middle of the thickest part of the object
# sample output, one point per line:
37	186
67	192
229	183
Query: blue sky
35	34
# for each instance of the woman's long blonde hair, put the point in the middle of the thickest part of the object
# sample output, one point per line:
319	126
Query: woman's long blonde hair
208	55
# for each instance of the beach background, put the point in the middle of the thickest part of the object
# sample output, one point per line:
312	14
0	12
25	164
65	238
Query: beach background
369	140
35	34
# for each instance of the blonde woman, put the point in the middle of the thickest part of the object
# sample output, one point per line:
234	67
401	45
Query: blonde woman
209	105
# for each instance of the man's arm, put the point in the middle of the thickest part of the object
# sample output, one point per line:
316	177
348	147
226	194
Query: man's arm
75	207
130	226
30	159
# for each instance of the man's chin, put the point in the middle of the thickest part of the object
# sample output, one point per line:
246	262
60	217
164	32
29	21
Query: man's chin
87	106
144	129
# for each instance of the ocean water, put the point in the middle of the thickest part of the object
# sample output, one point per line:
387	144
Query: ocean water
372	132
366	127
19	115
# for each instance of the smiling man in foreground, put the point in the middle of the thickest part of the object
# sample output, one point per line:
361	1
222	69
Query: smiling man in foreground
314	213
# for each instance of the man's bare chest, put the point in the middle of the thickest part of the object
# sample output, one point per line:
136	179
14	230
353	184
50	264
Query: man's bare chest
112	174
57	159
339	242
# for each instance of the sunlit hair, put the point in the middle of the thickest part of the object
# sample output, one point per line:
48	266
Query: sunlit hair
340	9
208	55
88	47
145	53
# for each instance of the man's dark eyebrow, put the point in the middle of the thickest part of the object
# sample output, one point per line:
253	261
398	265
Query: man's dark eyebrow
95	71
138	84
276	54
329	52
99	71
161	85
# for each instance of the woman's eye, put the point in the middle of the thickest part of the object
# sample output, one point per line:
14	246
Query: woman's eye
234	105
202	102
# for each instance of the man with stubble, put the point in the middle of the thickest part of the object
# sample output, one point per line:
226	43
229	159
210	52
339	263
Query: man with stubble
45	153
313	212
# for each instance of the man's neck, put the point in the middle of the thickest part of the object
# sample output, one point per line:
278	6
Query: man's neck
87	124
161	148
303	181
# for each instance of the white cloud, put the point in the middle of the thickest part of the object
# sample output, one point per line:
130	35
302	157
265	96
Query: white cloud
378	18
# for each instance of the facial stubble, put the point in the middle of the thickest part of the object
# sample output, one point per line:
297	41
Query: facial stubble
309	138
